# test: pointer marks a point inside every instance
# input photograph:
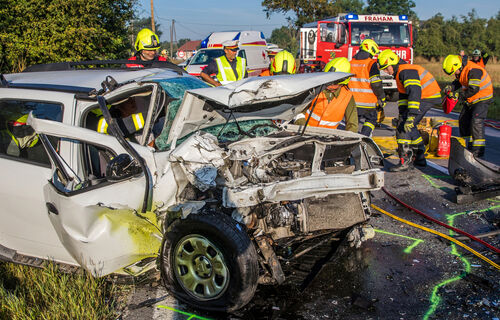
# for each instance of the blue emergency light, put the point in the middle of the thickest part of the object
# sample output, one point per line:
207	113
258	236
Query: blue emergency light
204	43
237	37
351	16
403	17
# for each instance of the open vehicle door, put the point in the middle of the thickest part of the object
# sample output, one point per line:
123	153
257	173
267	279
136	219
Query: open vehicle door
98	219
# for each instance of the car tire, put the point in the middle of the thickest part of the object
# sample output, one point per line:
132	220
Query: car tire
209	262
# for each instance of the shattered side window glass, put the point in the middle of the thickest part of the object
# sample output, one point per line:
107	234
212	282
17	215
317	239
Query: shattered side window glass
175	88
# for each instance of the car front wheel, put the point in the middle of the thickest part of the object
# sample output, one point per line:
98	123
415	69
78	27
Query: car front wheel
209	261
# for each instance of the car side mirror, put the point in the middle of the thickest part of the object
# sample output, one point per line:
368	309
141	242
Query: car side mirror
122	167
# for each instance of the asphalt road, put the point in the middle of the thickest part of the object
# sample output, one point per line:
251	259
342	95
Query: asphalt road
402	273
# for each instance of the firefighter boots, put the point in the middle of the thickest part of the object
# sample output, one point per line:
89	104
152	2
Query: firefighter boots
420	157
405	159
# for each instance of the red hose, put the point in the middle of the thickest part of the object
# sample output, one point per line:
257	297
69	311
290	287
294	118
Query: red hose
441	223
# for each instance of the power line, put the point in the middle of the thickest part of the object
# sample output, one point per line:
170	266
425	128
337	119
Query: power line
223	25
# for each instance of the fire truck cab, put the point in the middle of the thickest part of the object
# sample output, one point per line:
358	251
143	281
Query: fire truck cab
341	36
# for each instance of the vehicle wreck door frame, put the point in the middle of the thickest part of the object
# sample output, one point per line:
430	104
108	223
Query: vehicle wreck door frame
100	226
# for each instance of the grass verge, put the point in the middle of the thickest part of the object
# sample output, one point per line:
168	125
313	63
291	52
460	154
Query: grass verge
47	293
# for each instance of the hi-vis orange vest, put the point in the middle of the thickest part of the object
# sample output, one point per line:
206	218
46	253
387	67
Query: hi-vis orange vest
485	85
360	83
329	115
430	87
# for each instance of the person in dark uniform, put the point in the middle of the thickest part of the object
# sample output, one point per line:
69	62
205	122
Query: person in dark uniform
227	68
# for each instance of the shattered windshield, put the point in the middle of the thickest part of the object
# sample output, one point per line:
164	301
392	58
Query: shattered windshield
384	34
229	132
175	88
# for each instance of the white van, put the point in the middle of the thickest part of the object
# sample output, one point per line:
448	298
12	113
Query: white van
252	45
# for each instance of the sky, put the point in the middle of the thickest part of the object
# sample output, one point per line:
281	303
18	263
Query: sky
196	19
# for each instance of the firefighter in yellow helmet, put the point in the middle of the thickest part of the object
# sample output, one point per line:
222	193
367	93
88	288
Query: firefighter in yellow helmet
476	88
366	85
283	63
146	45
418	92
18	139
334	103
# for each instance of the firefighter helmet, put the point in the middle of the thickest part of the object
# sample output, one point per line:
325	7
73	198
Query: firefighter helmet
387	58
147	40
476	53
339	65
451	64
370	46
283	63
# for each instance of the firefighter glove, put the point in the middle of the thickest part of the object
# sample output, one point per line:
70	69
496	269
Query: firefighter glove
409	124
448	89
381	104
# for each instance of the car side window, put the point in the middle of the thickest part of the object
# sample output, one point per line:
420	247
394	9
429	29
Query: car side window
18	141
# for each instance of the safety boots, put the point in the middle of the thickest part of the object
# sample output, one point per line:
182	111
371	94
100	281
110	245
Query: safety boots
420	157
405	159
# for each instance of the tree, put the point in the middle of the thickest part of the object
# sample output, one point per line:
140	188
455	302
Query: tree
311	10
285	38
43	31
394	7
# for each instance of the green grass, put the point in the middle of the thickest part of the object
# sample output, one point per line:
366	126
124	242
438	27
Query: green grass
48	293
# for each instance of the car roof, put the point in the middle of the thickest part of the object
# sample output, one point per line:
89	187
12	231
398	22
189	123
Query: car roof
83	80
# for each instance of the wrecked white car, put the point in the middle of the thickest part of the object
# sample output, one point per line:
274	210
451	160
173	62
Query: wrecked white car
205	192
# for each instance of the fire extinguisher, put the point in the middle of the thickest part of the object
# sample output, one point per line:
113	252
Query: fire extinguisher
444	140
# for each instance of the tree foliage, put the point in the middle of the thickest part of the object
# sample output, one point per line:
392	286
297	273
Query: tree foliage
42	31
394	7
437	37
311	10
285	38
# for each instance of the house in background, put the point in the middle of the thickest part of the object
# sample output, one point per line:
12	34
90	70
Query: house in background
188	49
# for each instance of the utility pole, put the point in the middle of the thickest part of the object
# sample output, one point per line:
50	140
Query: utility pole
172	31
152	17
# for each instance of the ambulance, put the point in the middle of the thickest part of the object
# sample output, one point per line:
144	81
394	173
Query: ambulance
252	47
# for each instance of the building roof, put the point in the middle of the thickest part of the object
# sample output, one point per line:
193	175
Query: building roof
190	45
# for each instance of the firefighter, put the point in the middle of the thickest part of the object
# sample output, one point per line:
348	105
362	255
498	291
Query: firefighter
146	45
129	120
271	53
227	68
335	103
418	92
18	139
477	91
283	63
366	85
480	59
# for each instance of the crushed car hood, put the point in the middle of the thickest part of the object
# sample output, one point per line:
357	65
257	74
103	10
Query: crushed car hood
277	97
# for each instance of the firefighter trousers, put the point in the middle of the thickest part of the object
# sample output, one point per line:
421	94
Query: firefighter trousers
367	118
413	138
471	126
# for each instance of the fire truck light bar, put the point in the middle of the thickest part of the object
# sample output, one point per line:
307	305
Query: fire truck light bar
403	17
351	16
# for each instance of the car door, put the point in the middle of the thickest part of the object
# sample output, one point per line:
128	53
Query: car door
25	227
98	220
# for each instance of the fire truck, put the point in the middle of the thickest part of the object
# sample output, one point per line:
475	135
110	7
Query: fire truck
341	36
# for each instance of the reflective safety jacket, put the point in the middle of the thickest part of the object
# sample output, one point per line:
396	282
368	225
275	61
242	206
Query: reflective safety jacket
360	83
225	72
128	125
265	73
157	58
468	79
414	84
329	114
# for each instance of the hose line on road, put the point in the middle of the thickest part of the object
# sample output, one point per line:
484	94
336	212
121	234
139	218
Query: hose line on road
496	250
439	234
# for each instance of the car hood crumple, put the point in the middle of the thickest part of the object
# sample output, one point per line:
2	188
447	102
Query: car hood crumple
276	97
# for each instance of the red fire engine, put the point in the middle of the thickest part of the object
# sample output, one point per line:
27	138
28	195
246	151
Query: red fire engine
341	36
